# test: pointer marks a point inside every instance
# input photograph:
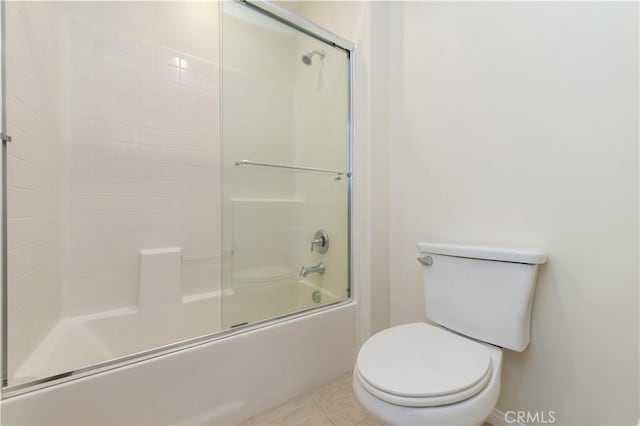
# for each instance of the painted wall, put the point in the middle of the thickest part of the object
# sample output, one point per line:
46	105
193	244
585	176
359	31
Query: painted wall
380	106
516	125
344	18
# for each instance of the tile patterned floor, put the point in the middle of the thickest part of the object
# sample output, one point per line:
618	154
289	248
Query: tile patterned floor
331	404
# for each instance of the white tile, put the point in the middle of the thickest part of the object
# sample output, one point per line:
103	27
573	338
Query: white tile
144	172
82	186
103	74
103	130
149	52
22	174
25	148
21	261
129	45
169	73
82	167
81	108
104	55
101	112
104	93
104	149
103	168
171	89
83	224
30	230
128	61
169	57
116	223
82	204
82	87
126	77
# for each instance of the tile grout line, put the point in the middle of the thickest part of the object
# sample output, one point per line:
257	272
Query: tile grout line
317	404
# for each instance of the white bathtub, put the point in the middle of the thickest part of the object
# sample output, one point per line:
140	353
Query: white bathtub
219	382
109	335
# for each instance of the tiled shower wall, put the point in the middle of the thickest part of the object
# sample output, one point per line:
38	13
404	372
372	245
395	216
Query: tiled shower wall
33	174
144	166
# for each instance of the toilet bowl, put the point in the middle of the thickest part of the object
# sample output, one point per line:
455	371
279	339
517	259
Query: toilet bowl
419	374
479	300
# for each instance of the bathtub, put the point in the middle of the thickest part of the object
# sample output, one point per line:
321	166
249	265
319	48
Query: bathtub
222	380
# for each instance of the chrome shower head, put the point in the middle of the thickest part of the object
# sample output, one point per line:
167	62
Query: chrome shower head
306	59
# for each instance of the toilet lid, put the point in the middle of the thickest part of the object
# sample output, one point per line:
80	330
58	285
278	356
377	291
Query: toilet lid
422	361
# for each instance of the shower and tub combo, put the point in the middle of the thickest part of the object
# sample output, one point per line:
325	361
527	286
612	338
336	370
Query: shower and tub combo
172	206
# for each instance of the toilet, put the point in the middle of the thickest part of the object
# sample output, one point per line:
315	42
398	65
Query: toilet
447	372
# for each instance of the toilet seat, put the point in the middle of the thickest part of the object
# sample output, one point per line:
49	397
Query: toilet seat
419	365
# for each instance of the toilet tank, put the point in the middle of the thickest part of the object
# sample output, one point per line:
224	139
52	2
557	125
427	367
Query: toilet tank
481	292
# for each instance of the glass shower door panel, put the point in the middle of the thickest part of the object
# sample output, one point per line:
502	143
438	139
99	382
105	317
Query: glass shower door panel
112	183
285	110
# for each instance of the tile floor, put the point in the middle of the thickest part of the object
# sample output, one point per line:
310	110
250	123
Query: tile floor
331	404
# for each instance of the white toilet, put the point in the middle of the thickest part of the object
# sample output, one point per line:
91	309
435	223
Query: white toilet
449	373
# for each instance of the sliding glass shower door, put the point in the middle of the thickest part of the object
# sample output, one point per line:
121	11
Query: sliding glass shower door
177	169
285	163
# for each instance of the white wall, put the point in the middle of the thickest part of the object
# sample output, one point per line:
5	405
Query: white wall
380	107
344	18
516	124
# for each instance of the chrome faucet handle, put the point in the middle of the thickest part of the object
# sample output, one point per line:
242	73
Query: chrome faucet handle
320	242
317	241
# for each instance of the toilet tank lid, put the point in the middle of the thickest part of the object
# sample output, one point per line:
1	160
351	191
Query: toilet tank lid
487	253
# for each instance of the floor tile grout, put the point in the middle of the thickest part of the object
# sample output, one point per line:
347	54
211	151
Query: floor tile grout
322	409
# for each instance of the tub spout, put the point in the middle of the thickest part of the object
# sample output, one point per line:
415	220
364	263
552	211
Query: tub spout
306	270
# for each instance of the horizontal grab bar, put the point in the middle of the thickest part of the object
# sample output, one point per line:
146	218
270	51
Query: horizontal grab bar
287	166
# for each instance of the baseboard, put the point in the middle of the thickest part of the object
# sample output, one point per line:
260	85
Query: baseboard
496	418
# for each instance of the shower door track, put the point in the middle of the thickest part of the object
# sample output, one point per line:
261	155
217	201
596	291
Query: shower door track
281	15
298	23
